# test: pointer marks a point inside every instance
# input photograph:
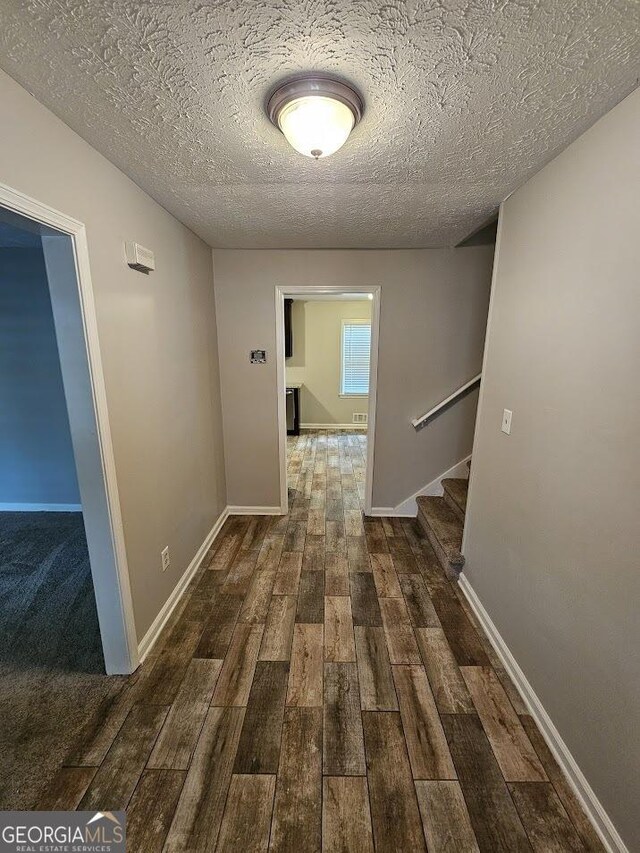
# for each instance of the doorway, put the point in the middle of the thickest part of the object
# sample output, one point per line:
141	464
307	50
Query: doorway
89	520
327	355
48	614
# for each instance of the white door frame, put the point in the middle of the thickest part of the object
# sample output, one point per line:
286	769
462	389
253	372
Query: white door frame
280	293
105	536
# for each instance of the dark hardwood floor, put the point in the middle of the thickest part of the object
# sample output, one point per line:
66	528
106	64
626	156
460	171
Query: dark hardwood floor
323	687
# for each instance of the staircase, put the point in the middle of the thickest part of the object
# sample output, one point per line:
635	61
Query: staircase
443	522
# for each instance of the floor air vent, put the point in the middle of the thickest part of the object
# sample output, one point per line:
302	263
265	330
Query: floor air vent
360	417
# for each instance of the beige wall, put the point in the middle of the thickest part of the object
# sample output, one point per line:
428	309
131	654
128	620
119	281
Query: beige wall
552	531
317	328
157	336
433	315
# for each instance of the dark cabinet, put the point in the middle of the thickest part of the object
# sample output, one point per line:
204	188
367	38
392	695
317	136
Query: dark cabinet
288	329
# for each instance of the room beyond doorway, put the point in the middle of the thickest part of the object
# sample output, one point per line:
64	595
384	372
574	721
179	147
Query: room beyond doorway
327	359
327	348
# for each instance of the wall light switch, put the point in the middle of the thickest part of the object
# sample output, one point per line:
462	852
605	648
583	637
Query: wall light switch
507	414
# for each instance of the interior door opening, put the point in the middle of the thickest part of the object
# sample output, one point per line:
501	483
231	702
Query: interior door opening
326	383
65	602
48	614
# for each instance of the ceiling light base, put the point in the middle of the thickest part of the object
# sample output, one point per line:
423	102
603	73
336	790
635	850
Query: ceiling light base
301	87
315	113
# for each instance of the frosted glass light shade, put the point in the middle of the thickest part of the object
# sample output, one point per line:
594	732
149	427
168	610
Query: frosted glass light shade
316	125
315	114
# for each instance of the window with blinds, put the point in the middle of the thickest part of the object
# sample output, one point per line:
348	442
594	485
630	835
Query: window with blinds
355	355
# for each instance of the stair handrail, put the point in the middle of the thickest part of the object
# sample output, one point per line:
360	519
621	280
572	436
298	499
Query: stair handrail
417	422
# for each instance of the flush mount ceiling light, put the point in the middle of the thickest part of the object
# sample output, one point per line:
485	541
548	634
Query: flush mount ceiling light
316	114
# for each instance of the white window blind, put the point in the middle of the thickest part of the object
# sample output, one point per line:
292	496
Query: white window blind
356	349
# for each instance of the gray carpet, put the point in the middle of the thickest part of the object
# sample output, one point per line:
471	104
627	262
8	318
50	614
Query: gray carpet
47	607
51	665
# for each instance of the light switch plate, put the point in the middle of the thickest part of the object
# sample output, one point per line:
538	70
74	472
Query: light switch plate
507	414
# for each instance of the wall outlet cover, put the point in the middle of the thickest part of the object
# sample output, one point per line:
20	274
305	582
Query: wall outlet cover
507	414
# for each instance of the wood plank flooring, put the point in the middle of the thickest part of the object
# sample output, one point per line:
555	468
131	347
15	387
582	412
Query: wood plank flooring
323	687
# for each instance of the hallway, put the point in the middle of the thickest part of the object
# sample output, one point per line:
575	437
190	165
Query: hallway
323	687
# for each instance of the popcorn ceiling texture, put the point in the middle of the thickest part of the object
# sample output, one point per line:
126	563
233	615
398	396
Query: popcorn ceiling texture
464	100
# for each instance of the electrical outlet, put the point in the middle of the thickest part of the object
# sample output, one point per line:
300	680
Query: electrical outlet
507	414
166	560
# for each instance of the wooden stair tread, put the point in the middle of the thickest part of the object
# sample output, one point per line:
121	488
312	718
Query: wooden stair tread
457	489
444	529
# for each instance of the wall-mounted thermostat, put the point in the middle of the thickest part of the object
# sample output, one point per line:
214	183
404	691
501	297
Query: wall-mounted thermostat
139	258
258	356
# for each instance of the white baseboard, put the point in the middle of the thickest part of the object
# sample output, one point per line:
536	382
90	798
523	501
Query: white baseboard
147	642
255	510
40	507
390	512
576	778
409	508
358	427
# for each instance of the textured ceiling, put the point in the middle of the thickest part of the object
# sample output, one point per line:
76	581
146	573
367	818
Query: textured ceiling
464	99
